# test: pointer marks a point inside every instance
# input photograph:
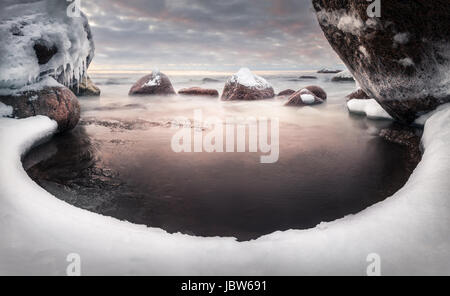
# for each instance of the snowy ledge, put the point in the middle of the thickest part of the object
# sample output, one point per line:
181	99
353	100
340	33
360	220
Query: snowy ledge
409	230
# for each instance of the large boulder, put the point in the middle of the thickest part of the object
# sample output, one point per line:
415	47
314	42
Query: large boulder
247	86
86	88
155	83
198	91
401	59
57	103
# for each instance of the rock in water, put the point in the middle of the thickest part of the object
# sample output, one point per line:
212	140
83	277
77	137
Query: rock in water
156	83
286	92
344	76
197	91
401	59
247	86
86	88
328	71
317	91
358	94
58	103
304	97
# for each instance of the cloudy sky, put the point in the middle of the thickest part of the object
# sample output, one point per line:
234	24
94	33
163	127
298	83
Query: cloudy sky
220	35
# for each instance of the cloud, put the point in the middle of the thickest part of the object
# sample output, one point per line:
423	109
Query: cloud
208	34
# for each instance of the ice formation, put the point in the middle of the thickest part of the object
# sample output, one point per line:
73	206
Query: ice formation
408	231
371	108
40	40
246	78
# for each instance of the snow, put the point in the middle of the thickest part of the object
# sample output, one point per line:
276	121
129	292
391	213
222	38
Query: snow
23	24
421	120
156	79
328	70
38	86
409	231
5	111
246	78
371	108
346	74
308	99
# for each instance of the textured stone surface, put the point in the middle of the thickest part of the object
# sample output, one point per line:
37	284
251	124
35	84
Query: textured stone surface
298	99
86	88
286	92
358	95
236	91
58	103
198	91
317	91
161	85
401	59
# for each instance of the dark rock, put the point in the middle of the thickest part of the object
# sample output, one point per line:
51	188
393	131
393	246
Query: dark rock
328	71
156	83
407	137
400	59
344	76
307	77
58	103
44	51
286	92
205	80
86	88
358	95
317	91
238	88
197	91
304	97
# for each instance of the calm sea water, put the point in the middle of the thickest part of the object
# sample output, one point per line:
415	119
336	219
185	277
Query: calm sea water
119	161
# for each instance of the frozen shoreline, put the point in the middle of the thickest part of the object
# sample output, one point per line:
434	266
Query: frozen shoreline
409	230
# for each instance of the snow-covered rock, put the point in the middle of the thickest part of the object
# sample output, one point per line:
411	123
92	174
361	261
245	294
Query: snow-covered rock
38	40
407	232
401	59
369	108
156	83
343	76
244	85
304	97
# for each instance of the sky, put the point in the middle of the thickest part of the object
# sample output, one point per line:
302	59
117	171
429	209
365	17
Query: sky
215	35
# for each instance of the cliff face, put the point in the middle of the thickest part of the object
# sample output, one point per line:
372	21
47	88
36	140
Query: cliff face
402	59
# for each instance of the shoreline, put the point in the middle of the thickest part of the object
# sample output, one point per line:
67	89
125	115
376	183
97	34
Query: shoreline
37	224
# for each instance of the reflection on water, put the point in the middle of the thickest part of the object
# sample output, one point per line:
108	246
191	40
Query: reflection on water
119	162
